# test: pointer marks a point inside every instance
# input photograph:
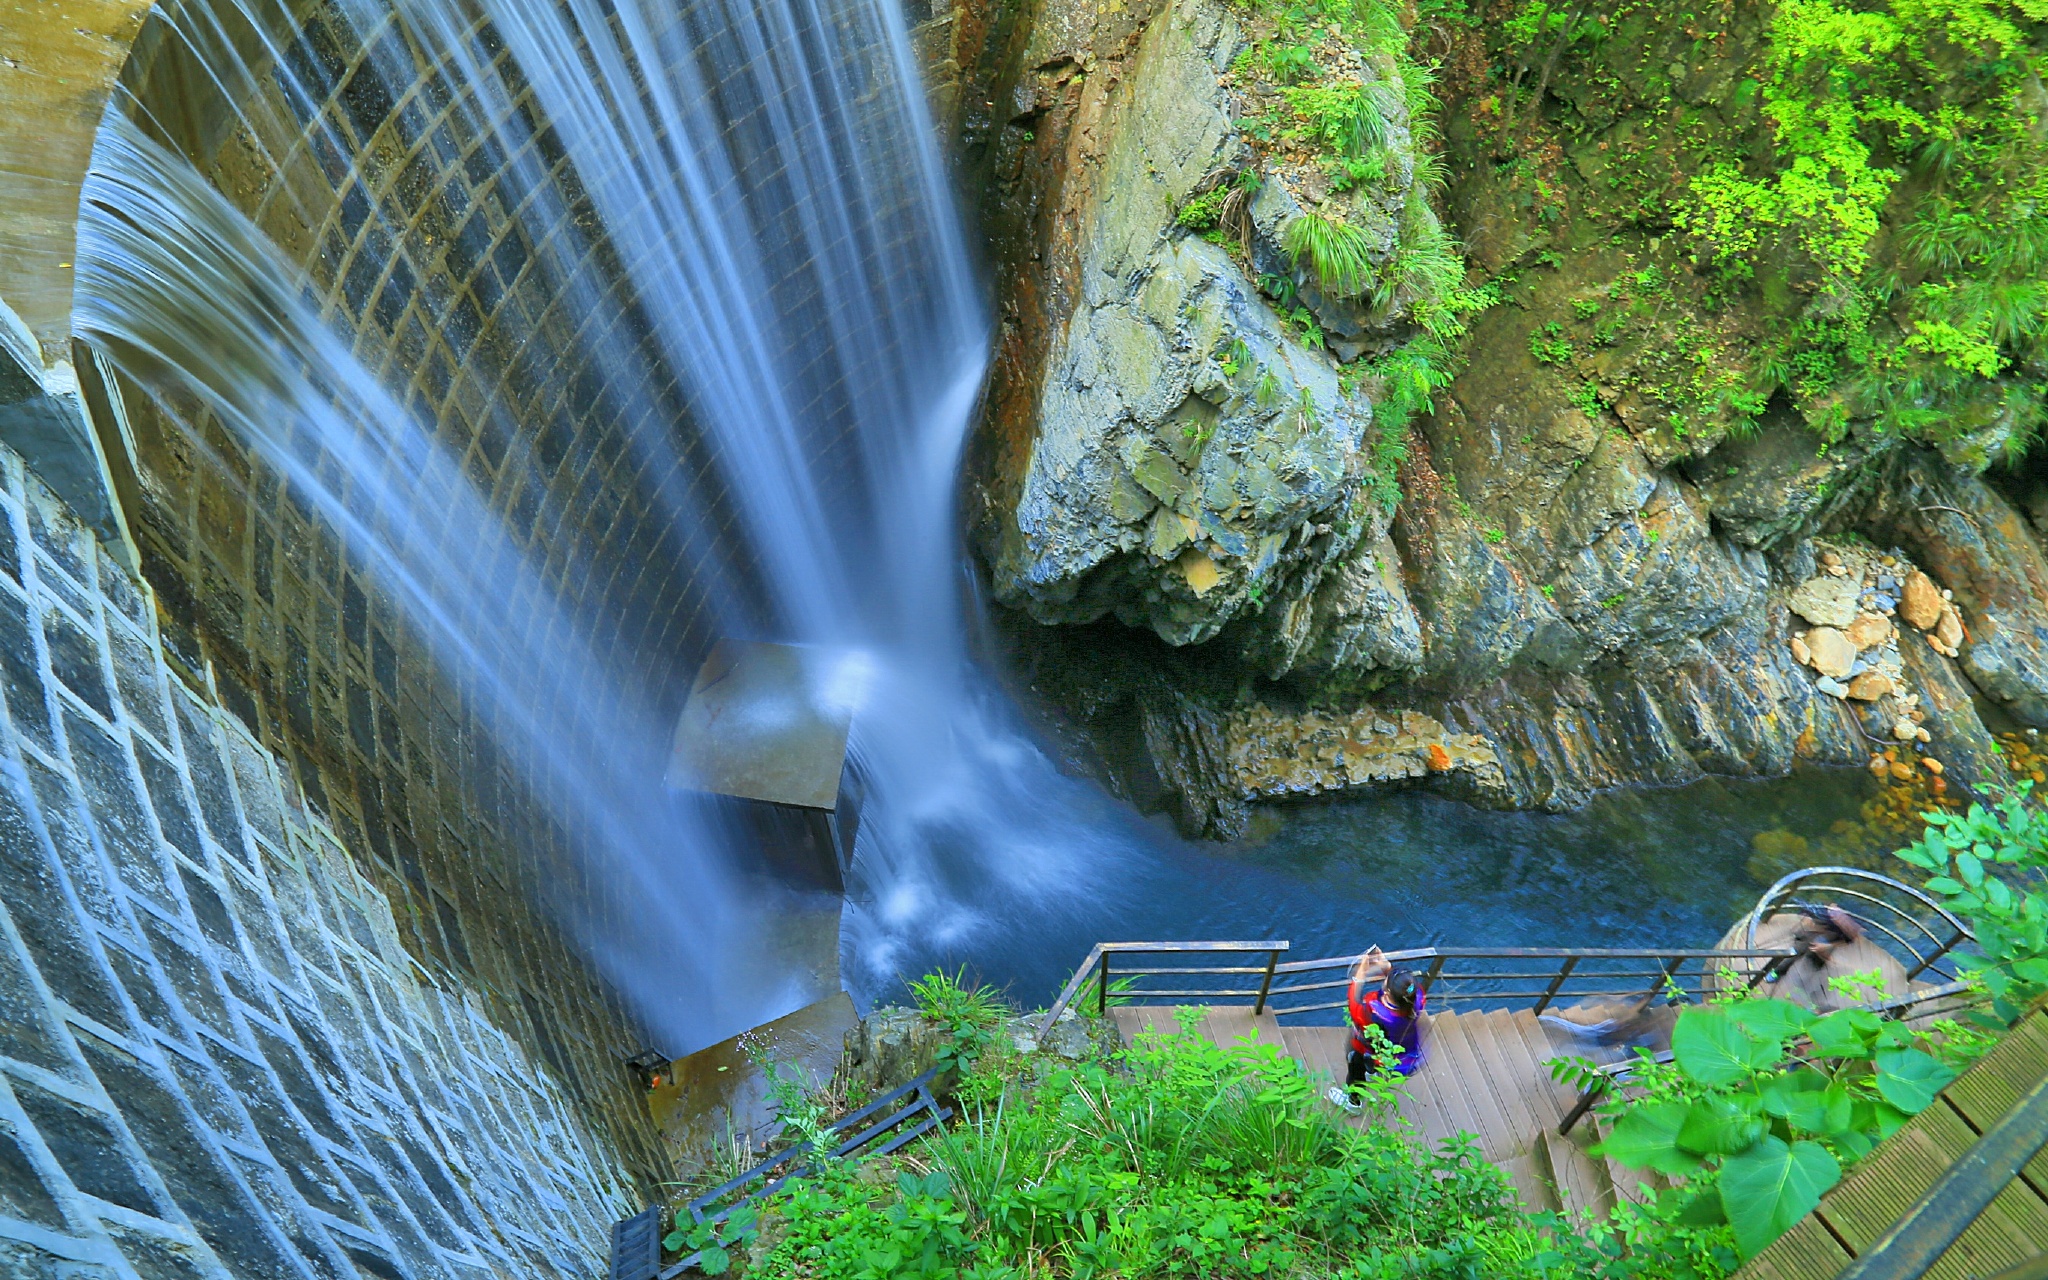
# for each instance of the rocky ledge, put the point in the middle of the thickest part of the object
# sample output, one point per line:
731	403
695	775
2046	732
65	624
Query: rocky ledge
1559	590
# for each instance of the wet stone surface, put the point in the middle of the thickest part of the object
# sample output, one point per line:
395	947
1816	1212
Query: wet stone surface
215	1060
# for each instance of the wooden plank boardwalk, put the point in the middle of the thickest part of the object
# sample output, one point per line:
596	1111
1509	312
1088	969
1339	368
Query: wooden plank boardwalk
1484	1073
1858	1212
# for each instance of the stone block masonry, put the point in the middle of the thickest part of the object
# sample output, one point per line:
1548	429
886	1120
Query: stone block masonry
215	1057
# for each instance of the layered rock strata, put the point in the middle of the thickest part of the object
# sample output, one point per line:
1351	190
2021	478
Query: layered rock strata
1574	583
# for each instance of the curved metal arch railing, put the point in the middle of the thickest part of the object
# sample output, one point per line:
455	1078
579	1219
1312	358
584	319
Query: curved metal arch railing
1907	913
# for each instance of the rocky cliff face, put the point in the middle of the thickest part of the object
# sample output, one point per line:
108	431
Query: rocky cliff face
1568	584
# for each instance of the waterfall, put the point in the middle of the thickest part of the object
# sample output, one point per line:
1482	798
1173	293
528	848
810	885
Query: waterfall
217	309
765	176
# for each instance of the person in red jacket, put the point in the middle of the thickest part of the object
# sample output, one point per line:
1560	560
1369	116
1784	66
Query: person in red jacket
1395	1009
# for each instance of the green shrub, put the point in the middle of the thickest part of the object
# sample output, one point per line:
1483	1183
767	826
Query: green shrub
1344	117
969	1014
1203	212
1177	1158
1764	1106
1335	251
1990	867
1912	118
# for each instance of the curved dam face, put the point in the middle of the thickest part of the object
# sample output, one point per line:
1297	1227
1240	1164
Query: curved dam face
438	385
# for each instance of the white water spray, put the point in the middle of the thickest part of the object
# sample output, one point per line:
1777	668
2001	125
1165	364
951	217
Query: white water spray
766	175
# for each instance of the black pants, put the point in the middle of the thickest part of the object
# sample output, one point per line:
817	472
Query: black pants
1355	1069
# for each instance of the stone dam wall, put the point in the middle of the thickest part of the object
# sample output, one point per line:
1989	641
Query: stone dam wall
217	1056
278	1001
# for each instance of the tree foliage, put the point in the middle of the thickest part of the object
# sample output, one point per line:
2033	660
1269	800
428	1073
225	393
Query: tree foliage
1906	172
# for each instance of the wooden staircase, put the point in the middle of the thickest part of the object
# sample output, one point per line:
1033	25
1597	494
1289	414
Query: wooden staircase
1484	1073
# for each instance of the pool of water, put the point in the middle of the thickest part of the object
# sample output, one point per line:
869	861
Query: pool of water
1662	867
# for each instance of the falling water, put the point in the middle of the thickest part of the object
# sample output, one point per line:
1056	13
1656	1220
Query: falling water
765	173
219	307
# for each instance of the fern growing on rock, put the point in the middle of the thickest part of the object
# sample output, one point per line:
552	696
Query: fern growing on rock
1335	251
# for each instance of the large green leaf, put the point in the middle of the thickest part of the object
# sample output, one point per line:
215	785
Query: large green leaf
1714	1050
1720	1126
1796	1096
1647	1138
1839	1116
1773	1185
1703	1210
1845	1033
1772	1020
1909	1078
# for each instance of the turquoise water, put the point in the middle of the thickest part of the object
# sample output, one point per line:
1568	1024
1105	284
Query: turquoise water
1658	867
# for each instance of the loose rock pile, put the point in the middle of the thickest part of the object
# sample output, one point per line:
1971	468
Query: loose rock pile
1855	603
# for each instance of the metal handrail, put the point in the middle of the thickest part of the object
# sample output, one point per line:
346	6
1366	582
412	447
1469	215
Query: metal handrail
1280	983
1097	967
1782	890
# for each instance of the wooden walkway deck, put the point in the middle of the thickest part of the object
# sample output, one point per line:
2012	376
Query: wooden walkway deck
1856	1214
1484	1074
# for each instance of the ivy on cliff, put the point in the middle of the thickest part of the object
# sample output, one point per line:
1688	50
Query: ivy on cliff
1927	111
1860	185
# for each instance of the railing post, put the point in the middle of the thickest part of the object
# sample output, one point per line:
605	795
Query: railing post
1265	983
1657	983
1102	985
1570	963
1939	952
1587	1097
1436	967
1772	972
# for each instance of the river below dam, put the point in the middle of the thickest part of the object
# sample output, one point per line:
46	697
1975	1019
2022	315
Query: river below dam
1655	867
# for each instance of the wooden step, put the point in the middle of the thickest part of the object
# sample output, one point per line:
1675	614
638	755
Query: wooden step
1633	1185
1458	1069
1530	1183
1581	1182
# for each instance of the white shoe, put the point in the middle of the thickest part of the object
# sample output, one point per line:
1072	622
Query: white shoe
1341	1097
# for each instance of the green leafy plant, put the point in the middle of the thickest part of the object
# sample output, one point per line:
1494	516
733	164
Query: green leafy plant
1288	63
1909	119
1305	414
800	1106
1234	358
1266	391
1176	1158
1990	866
1549	345
1765	1103
1304	322
1202	212
714	1242
1347	172
1427	266
970	1016
1343	117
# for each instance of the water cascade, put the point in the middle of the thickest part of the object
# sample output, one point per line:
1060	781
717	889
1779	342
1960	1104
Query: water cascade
765	177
